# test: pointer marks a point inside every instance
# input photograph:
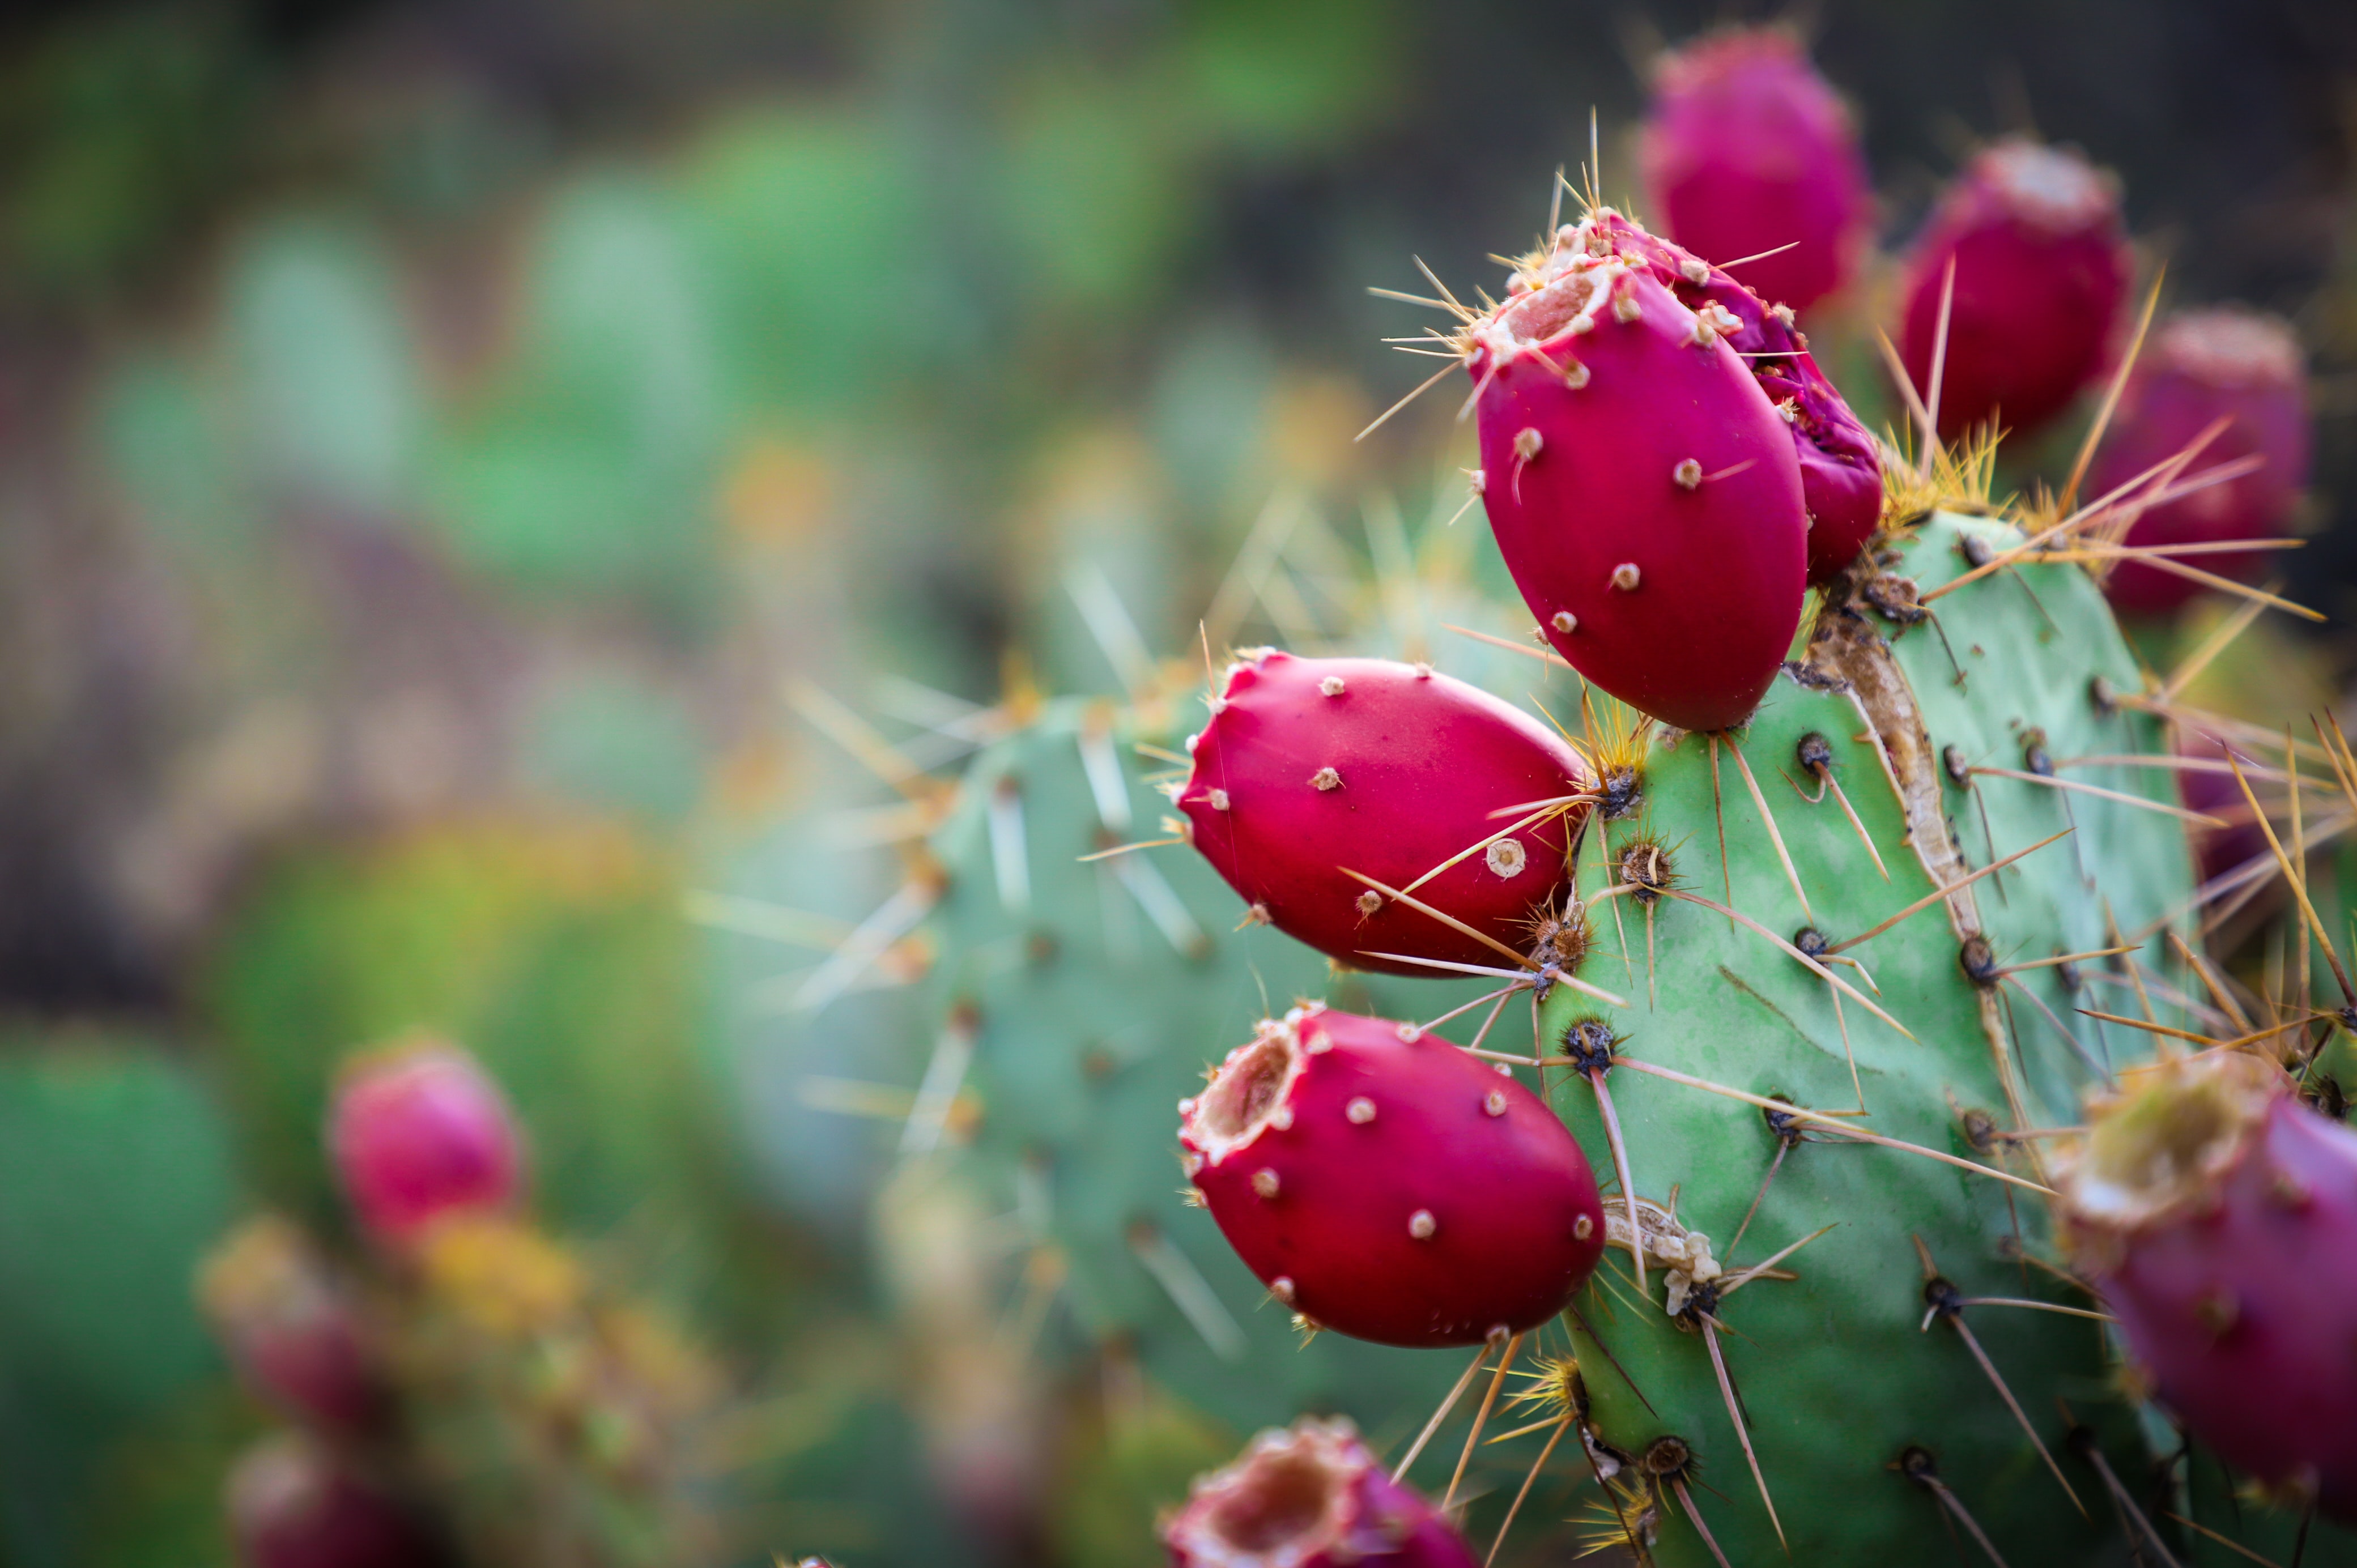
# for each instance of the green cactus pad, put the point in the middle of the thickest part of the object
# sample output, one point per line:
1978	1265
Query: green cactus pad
1835	1367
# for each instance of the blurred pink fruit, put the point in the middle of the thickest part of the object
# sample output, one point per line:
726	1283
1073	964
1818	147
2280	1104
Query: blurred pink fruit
1747	148
419	1133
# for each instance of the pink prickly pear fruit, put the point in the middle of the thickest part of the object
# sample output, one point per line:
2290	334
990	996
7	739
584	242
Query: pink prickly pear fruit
2217	1214
1841	464
2201	367
1643	489
1309	1497
292	1330
1746	148
421	1132
1309	765
1388	1186
2041	271
293	1505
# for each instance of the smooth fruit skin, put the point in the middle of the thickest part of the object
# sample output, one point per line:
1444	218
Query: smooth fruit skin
2042	269
292	1504
1747	148
2240	1297
1387	1185
1312	765
1841	464
292	1330
1642	489
2201	367
420	1133
1309	1497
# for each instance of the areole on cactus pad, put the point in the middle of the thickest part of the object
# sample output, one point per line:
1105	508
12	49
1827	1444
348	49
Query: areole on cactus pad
1316	780
1388	1186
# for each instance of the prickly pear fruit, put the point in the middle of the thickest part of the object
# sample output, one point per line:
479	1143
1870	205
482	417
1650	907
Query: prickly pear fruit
1311	1496
291	1329
2041	270
294	1505
419	1133
1746	149
2201	367
1841	465
1642	488
2218	1217
1312	768
1387	1185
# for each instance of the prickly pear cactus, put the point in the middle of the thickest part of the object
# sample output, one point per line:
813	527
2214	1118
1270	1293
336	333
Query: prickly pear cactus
1076	999
1837	1366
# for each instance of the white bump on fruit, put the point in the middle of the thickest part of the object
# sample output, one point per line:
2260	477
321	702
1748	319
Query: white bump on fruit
1421	1225
1318	1043
1218	800
1422	671
1281	1287
1575	375
1494	1103
1625	577
1479	478
1528	443
1332	686
1687	474
1360	1110
1696	270
1326	778
1506	857
1281	1118
1564	622
1583	1227
1192	741
1624	308
1265	1182
1370	901
1411	1033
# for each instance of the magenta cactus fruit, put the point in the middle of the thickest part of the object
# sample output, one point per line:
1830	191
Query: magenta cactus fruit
2201	367
1312	768
292	1504
2041	271
1386	1185
1643	489
2217	1214
292	1330
1310	1497
1747	148
1841	464
421	1132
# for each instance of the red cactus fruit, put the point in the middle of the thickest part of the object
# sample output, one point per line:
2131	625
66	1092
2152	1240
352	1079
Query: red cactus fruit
2217	1216
2201	367
1386	1185
1643	487
2041	270
1309	765
1747	148
1310	1497
292	1330
1841	465
293	1505
419	1133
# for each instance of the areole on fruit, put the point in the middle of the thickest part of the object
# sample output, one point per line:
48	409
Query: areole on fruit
1386	1185
1640	482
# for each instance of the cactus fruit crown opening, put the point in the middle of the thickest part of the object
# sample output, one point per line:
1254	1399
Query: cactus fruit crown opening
2051	187
1247	1090
1280	1498
2164	1142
